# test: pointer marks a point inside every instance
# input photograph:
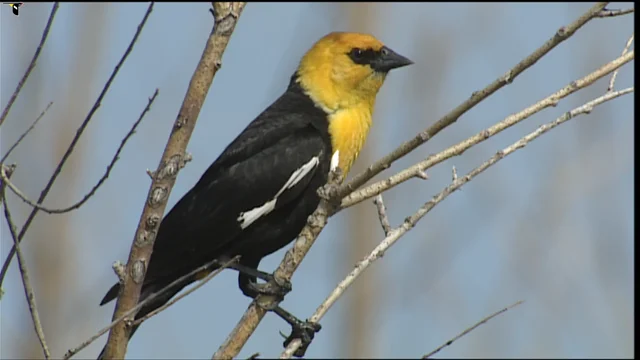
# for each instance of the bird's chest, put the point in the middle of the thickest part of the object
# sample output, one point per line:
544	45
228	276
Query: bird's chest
349	129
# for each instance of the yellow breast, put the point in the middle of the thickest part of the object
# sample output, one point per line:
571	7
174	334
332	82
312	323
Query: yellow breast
349	128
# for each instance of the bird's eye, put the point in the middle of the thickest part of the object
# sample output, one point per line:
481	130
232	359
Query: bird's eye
357	53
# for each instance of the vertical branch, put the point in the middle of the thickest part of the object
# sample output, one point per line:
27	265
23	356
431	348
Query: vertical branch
28	289
173	159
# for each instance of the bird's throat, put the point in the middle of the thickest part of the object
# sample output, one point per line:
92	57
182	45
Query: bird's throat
349	129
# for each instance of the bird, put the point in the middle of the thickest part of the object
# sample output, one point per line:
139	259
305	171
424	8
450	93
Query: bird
255	198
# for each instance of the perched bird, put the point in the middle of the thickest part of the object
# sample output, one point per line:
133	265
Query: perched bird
256	197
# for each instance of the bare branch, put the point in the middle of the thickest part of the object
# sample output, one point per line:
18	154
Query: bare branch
71	352
455	150
104	177
615	73
28	290
72	146
412	220
226	17
7	170
561	35
199	285
470	329
32	65
292	259
382	214
615	12
24	134
316	222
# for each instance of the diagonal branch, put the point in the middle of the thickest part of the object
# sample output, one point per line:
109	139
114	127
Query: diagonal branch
614	12
470	329
455	150
226	16
72	146
316	222
71	352
32	65
412	220
24	134
561	35
101	181
292	259
612	82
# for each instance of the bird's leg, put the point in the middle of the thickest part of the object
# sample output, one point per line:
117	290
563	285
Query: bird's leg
273	286
303	330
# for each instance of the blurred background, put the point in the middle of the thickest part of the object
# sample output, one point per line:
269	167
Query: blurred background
551	224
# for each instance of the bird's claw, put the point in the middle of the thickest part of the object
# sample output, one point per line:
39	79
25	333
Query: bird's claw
305	331
274	286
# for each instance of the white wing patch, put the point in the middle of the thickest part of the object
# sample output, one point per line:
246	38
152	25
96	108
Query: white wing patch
335	160
247	218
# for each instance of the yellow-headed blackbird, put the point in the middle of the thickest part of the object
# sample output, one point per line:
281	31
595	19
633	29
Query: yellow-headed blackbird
256	197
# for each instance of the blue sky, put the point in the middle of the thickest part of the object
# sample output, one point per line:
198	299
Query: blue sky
551	224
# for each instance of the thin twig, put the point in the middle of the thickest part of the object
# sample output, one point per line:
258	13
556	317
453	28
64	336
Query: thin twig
173	159
316	222
385	162
614	12
615	73
382	214
32	64
152	297
7	170
455	150
470	329
65	157
177	298
24	134
104	177
28	290
396	233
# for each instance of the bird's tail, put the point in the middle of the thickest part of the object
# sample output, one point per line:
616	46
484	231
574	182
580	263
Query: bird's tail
147	290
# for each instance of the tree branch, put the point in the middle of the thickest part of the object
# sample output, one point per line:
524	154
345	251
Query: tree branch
28	290
101	181
615	12
72	146
226	16
455	150
71	352
316	222
292	259
561	35
182	295
24	134
32	65
615	73
382	214
470	329
411	221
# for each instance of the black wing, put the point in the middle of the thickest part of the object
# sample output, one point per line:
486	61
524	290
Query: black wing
259	166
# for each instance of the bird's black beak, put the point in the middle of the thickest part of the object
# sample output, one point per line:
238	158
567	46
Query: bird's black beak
389	60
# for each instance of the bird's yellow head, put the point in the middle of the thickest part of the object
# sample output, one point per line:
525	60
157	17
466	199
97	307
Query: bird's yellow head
344	69
342	74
